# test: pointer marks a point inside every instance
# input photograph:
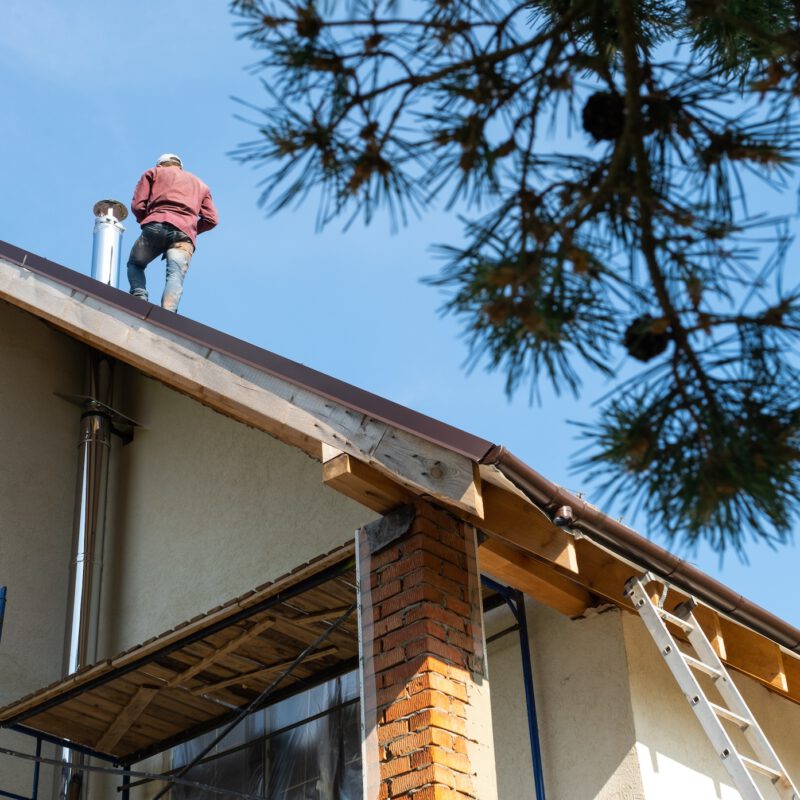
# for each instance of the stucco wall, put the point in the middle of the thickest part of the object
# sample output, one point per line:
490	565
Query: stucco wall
613	722
38	460
201	509
204	509
676	757
583	703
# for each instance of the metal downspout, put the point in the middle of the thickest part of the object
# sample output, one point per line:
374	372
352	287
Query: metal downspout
88	541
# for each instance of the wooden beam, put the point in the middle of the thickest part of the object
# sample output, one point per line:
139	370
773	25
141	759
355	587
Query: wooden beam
127	717
244	392
513	567
257	674
517	522
758	657
322	616
507	516
364	484
229	647
716	639
791	668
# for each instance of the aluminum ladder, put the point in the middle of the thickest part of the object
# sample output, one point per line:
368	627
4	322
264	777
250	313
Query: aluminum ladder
710	715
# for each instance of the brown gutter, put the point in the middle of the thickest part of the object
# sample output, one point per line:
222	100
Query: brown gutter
625	542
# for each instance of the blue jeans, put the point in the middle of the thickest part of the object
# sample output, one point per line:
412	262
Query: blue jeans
160	239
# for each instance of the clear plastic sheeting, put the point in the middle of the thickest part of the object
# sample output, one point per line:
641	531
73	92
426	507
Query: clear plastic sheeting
236	763
306	747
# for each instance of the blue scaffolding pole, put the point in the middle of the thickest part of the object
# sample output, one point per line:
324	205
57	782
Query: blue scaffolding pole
515	600
35	789
56	740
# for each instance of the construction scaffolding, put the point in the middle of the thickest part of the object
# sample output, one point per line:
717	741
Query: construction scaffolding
56	715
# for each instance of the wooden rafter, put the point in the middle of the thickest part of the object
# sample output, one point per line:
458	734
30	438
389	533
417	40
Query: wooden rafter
257	674
127	717
233	645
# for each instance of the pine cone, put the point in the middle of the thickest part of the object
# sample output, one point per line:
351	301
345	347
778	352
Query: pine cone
308	23
642	341
604	116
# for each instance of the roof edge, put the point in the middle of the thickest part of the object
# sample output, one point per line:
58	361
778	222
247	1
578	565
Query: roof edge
359	400
624	541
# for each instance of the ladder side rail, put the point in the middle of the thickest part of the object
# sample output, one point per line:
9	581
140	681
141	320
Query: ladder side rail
730	693
720	740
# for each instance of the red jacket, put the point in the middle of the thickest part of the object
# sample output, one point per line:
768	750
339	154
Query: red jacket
169	194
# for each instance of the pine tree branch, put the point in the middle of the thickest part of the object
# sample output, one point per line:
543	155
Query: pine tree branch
634	133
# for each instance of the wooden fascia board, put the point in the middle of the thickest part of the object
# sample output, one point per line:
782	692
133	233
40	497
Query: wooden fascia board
239	390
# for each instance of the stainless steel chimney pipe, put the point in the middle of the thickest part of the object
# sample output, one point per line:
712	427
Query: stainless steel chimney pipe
108	231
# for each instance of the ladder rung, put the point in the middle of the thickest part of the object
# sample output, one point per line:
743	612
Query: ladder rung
685	626
701	666
756	766
736	719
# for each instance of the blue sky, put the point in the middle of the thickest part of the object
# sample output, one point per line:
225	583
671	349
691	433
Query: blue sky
92	93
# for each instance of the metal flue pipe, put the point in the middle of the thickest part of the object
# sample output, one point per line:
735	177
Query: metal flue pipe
94	447
108	231
88	535
88	542
88	527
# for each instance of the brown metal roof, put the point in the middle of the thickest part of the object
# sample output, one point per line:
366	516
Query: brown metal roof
300	375
197	676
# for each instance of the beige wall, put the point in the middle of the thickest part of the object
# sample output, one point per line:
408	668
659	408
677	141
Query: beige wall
201	509
613	722
39	445
583	703
205	509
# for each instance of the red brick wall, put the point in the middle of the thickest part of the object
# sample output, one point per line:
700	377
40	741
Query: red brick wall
422	649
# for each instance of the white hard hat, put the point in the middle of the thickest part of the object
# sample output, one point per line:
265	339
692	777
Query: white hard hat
169	157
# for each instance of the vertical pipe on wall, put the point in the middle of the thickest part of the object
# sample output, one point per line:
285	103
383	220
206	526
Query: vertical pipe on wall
125	791
530	699
88	528
515	600
88	534
36	768
94	447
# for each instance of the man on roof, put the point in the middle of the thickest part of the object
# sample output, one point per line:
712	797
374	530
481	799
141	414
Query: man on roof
172	206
